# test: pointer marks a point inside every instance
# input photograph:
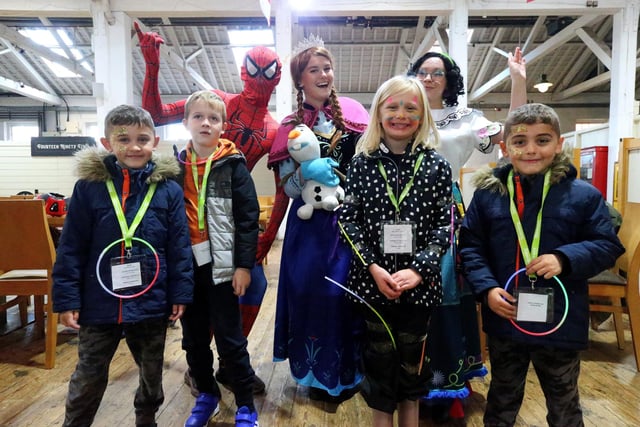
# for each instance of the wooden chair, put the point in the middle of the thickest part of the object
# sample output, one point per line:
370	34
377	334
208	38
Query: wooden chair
26	258
617	290
266	206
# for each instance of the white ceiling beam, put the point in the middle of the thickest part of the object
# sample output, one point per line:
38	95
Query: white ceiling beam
403	55
207	60
598	47
584	86
159	8
583	99
54	33
173	38
579	67
598	80
88	102
552	43
27	66
169	55
193	55
427	41
537	26
421	32
479	76
21	41
30	92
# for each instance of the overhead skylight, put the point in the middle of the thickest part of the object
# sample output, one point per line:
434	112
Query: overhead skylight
45	38
243	40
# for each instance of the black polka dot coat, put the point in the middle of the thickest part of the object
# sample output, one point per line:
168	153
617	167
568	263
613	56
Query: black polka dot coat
367	206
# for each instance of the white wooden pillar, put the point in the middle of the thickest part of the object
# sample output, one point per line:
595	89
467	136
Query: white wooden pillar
284	37
111	44
623	77
458	25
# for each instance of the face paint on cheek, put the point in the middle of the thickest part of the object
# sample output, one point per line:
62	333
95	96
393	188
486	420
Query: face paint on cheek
122	149
515	152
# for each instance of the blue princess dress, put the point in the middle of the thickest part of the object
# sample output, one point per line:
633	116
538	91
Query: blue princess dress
316	327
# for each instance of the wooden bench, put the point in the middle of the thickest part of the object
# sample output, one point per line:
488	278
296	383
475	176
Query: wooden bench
617	290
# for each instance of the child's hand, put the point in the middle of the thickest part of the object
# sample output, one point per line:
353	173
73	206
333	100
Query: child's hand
501	303
407	279
177	310
241	281
70	319
386	284
547	265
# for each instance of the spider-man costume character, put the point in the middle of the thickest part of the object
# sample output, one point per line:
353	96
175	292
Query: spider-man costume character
249	125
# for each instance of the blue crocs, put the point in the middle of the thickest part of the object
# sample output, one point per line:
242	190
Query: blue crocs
205	408
246	418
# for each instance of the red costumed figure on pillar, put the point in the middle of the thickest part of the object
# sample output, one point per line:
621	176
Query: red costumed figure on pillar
249	125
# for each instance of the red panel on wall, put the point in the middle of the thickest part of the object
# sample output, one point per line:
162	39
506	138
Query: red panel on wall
593	167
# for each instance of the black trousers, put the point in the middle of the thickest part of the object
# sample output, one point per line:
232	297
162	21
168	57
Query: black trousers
216	309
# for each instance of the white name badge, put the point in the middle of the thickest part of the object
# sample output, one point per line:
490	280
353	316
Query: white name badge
125	273
535	305
201	253
397	238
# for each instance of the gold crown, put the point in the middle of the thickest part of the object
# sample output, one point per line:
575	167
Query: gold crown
307	43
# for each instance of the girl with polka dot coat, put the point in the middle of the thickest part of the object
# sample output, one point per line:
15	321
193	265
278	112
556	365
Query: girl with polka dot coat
367	207
397	218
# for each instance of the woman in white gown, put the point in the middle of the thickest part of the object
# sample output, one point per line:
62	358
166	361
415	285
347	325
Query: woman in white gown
454	344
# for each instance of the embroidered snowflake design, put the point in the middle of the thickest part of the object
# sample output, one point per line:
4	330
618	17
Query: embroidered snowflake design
438	378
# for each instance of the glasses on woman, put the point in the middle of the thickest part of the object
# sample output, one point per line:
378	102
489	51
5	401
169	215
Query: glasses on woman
435	74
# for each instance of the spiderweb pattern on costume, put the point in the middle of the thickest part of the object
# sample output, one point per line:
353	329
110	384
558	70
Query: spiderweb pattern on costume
250	125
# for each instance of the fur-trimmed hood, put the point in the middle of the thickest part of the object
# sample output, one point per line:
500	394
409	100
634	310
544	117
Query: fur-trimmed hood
98	165
495	179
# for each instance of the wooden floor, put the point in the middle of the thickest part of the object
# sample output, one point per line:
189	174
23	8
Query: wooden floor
33	396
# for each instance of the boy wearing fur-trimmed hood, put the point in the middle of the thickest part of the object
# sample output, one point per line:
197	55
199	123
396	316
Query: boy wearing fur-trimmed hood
534	217
126	220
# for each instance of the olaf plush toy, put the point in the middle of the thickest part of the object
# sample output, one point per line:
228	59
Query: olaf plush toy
321	187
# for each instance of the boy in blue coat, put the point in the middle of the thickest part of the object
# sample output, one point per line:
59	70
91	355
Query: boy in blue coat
126	225
534	216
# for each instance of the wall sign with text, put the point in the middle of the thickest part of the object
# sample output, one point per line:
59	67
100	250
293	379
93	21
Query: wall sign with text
59	145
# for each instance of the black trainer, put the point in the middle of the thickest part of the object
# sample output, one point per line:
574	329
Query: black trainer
222	377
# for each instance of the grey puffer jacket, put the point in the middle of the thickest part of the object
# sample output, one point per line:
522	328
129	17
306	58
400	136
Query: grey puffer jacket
232	213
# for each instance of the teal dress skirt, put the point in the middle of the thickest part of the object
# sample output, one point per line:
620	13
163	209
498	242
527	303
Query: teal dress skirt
453	348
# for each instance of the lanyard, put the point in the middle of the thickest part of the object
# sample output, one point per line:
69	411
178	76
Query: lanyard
201	189
396	202
127	232
527	255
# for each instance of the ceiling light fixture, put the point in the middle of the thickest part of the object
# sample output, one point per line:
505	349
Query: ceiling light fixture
543	85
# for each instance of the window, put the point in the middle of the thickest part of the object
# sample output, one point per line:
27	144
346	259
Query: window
91	129
22	131
174	132
243	40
